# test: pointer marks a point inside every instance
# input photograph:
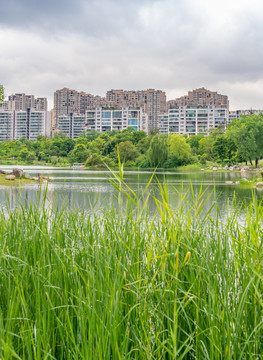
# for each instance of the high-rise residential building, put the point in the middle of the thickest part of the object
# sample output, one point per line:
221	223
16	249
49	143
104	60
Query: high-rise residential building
152	101
193	120
41	104
236	114
102	119
67	101
6	125
202	97
72	125
22	102
27	124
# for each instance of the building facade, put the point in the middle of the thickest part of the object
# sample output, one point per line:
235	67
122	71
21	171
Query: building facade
101	119
192	120
236	114
72	125
201	97
22	102
27	124
6	125
152	101
68	101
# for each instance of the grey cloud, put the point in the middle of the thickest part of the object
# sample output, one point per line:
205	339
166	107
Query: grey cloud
174	45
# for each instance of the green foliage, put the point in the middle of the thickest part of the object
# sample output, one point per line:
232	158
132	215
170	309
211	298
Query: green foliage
194	142
179	150
158	151
181	284
247	133
2	95
79	154
242	141
127	151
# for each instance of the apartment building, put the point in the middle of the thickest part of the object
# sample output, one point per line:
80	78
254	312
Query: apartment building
236	114
201	97
27	124
22	102
72	125
152	101
6	125
101	119
193	120
68	101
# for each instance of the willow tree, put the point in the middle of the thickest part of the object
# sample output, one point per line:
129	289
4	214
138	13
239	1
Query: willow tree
158	150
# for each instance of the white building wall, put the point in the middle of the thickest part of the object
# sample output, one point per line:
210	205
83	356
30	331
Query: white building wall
6	125
192	120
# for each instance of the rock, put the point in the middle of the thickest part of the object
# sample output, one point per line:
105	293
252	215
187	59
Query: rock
243	170
229	182
202	170
259	184
17	172
44	178
226	167
246	167
3	172
34	178
214	168
27	175
235	167
231	168
10	177
237	182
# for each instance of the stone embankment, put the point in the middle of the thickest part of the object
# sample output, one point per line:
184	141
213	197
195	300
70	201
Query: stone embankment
241	168
19	173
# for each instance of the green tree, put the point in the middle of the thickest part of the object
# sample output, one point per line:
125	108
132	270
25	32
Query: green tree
194	142
127	151
224	148
79	154
158	151
247	133
179	151
2	96
24	154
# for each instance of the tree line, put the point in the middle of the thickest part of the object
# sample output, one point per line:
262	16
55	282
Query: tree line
241	142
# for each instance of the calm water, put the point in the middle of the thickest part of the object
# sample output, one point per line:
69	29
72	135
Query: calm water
91	189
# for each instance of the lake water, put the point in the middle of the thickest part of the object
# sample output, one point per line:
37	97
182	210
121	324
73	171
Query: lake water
88	189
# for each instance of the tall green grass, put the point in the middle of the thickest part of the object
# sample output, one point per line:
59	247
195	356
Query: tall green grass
125	285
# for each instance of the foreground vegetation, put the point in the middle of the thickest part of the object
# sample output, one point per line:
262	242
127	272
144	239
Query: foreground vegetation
242	142
121	284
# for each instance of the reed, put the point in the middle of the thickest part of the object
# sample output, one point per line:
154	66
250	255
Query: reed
123	284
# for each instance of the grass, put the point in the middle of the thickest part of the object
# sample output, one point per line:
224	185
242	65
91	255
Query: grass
16	182
126	285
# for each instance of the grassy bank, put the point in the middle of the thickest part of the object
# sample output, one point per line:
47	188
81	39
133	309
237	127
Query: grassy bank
123	285
16	182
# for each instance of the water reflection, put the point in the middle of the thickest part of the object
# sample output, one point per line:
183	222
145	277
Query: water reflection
91	189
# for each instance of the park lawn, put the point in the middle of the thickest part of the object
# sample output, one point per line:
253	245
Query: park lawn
16	182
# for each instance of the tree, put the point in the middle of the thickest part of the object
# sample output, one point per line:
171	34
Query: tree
247	133
158	151
179	151
127	151
194	142
79	154
223	149
2	96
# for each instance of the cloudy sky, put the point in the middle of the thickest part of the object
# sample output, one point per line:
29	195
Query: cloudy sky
98	45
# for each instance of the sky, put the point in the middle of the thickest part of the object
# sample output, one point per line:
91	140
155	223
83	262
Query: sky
98	45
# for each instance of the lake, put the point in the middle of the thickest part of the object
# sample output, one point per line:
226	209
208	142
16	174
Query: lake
88	189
